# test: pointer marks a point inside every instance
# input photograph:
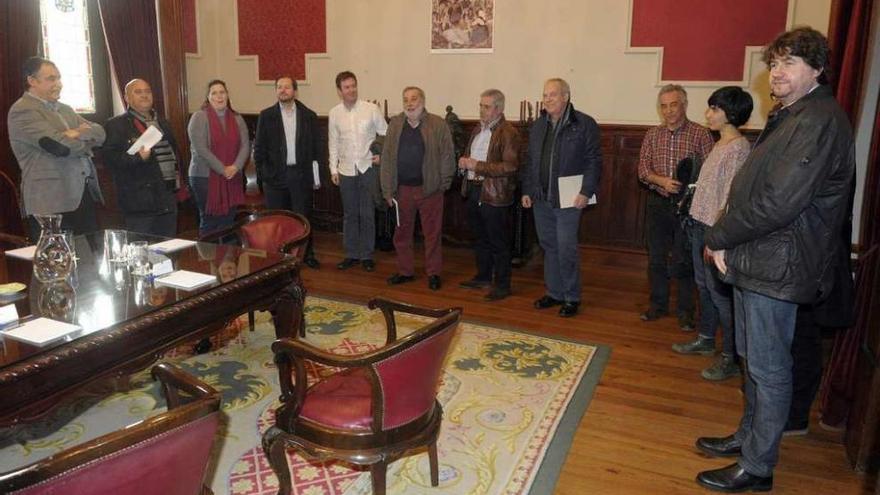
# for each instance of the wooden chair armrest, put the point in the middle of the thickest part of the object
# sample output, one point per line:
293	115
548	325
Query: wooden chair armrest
174	380
388	307
15	240
290	246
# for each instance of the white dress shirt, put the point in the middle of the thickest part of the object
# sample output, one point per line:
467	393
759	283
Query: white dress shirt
288	119
350	134
480	147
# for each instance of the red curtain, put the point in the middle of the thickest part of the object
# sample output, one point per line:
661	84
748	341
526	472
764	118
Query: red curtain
134	46
19	39
849	30
849	34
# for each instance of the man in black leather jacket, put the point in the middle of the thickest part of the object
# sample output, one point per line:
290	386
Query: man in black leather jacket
146	181
777	244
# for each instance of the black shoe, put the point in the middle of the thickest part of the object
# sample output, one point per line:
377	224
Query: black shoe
653	314
434	282
796	428
312	262
368	265
347	263
686	321
475	284
720	446
569	309
547	302
202	346
497	294
734	479
400	279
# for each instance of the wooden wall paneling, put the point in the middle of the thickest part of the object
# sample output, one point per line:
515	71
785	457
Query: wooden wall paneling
617	221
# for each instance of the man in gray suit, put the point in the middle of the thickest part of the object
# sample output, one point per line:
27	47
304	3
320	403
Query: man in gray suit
53	146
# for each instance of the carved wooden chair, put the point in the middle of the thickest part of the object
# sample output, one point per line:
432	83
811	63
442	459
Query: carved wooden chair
162	455
13	231
273	231
379	407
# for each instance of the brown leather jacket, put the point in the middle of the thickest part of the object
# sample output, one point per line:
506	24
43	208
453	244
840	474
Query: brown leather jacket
500	170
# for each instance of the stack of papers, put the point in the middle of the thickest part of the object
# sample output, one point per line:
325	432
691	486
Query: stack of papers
25	253
183	279
41	331
171	245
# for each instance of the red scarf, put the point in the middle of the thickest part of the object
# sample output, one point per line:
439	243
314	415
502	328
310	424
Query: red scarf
223	194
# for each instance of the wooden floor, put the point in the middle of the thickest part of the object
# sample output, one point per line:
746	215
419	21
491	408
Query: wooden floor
651	404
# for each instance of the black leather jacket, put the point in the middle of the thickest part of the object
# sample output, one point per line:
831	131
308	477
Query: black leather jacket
139	186
788	202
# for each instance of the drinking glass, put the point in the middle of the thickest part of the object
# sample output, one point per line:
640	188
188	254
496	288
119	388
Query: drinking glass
114	245
139	258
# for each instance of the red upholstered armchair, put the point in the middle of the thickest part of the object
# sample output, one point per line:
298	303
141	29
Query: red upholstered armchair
273	231
163	455
380	406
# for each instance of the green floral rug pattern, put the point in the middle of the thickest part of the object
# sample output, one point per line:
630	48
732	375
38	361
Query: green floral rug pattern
504	395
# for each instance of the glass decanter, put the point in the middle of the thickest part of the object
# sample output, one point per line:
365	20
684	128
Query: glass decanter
53	258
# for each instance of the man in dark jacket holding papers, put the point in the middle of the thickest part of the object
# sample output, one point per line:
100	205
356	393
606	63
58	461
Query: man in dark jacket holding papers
563	151
146	178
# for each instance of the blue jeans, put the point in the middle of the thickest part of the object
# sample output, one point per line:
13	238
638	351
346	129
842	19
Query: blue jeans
208	223
716	304
358	214
558	235
764	331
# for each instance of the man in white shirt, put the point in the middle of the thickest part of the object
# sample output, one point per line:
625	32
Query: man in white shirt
353	127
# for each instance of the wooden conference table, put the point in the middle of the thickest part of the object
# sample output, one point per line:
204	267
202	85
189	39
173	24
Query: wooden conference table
128	322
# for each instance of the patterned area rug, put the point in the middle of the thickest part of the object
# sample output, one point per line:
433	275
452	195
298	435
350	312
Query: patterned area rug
511	404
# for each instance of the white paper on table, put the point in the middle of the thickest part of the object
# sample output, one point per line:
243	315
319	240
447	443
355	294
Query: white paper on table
171	245
569	188
316	174
147	140
8	314
41	331
25	253
184	279
396	212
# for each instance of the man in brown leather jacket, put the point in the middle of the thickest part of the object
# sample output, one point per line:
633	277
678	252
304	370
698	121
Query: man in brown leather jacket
492	165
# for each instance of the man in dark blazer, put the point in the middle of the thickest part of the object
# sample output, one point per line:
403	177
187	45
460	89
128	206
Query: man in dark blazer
286	154
146	180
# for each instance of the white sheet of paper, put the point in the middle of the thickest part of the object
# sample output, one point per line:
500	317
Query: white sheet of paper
25	253
396	212
316	174
8	314
41	331
569	188
184	279
171	245
147	140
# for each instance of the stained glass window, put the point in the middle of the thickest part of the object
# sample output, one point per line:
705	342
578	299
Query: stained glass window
66	41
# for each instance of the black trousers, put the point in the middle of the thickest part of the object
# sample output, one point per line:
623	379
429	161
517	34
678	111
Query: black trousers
806	369
82	220
668	255
296	195
491	228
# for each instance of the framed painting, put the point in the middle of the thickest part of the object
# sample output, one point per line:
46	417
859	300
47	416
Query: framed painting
462	26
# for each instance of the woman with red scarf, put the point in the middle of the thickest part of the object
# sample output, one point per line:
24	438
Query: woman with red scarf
220	148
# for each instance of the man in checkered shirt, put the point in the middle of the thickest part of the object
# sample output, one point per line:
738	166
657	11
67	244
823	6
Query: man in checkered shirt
664	146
